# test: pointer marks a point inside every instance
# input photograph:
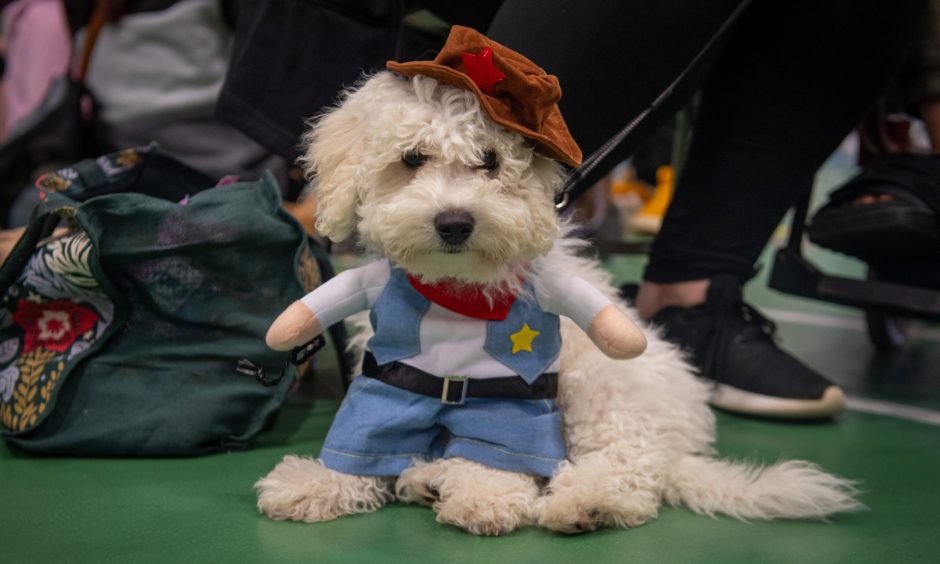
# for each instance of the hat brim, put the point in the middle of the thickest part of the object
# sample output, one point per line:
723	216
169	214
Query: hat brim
564	150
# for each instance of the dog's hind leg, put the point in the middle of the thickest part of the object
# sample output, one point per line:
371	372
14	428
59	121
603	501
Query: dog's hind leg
612	487
302	489
476	498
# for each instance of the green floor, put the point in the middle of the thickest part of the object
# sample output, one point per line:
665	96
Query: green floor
202	509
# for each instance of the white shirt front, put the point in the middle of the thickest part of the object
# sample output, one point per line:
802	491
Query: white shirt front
451	343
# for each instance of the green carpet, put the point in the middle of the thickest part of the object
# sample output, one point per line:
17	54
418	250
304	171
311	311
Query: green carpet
202	509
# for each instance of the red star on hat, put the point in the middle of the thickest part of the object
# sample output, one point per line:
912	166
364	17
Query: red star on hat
482	71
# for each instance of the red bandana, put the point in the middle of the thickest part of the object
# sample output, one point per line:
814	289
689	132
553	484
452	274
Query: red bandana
465	299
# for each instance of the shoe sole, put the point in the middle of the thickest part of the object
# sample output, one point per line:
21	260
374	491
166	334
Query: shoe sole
736	400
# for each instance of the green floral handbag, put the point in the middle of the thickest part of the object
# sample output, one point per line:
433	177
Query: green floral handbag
122	336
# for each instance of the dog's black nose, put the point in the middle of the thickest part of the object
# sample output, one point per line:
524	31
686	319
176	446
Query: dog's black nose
454	226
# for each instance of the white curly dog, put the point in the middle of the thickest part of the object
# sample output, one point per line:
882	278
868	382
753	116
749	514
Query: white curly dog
638	432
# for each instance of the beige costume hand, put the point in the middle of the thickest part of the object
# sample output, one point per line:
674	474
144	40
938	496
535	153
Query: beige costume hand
615	334
294	327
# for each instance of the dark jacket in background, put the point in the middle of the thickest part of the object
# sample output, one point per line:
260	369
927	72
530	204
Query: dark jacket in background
291	58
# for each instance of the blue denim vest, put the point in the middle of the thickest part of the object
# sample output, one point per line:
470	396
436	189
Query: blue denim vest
532	333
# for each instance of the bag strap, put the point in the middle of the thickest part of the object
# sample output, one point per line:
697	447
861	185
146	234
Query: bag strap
61	193
100	16
56	202
46	218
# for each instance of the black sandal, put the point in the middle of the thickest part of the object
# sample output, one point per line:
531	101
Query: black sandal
902	229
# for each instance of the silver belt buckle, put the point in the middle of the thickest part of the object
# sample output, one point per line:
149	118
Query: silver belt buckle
457	380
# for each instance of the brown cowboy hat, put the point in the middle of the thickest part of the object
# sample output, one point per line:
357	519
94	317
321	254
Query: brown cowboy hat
515	92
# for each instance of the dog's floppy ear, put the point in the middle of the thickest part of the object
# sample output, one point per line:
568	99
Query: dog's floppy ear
333	151
330	160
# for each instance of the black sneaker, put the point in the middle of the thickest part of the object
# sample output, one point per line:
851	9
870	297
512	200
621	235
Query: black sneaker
732	344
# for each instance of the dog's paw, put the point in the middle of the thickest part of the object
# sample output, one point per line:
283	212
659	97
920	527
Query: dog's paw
478	499
302	489
562	516
580	510
420	483
580	500
484	515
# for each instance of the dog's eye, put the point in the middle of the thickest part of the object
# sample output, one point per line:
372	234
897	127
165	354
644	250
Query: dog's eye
490	161
413	158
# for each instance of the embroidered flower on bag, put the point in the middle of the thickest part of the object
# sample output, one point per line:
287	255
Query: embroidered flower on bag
8	379
118	162
61	270
8	350
68	257
53	325
53	181
80	346
106	166
127	158
68	173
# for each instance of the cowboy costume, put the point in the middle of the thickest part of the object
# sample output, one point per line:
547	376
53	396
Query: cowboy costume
451	372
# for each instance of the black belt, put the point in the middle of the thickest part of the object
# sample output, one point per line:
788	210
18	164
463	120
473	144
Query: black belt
453	389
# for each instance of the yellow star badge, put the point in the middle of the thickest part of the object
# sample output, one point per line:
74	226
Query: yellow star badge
522	339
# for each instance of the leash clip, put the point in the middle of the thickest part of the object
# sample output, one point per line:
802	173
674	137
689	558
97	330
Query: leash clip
297	356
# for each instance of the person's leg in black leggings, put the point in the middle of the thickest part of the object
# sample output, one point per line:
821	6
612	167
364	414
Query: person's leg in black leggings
790	83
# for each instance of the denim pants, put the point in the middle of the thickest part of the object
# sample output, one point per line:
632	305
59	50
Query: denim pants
379	429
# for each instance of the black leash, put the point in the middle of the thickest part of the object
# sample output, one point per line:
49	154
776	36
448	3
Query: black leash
573	186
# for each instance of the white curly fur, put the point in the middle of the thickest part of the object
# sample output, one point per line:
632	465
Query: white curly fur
355	151
639	432
302	489
481	500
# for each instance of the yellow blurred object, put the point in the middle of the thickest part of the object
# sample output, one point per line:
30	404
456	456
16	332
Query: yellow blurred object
650	217
304	212
624	188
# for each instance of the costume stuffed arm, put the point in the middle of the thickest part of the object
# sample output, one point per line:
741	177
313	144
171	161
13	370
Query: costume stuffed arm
614	333
339	297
